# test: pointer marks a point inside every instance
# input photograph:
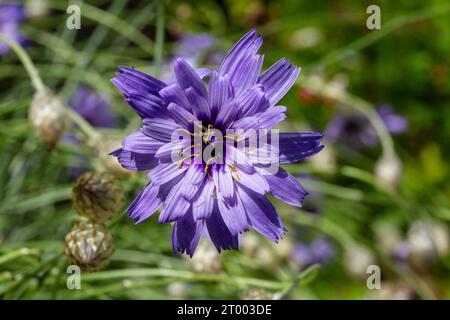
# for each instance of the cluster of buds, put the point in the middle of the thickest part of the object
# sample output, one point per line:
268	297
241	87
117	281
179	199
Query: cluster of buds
97	196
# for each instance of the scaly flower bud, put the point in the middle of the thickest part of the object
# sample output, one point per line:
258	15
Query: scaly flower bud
47	117
97	195
89	245
388	171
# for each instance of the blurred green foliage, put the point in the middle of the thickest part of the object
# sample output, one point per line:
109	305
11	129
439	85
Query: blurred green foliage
408	67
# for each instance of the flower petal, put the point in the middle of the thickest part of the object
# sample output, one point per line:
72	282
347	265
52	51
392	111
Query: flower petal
131	80
140	143
223	182
199	103
262	216
234	64
145	204
286	188
146	105
174	94
278	79
233	214
253	181
160	129
227	114
203	204
220	91
186	234
165	172
297	146
181	116
188	78
175	206
135	161
253	101
219	233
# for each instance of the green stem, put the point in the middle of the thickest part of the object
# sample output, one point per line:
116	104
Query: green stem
325	226
13	255
27	63
159	46
184	275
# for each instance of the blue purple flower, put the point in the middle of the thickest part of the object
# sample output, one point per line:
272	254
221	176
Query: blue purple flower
96	110
355	130
223	195
11	16
195	48
93	107
319	251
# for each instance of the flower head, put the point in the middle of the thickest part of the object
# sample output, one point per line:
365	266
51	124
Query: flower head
319	251
207	173
93	107
355	130
11	15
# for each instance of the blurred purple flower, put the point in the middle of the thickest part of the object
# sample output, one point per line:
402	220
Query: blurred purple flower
11	16
196	49
355	130
319	251
401	252
225	197
93	107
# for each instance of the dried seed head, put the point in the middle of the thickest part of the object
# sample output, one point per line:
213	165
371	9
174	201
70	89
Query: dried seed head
89	245
47	117
423	252
97	195
206	259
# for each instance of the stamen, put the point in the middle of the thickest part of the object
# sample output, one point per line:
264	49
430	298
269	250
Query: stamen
180	162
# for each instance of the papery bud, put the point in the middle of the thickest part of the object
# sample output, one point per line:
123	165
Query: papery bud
37	8
89	245
305	38
97	195
423	253
47	117
206	259
387	236
285	247
324	160
256	294
357	259
388	171
111	164
267	257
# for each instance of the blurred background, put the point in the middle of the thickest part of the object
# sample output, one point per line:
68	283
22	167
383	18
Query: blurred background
379	191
